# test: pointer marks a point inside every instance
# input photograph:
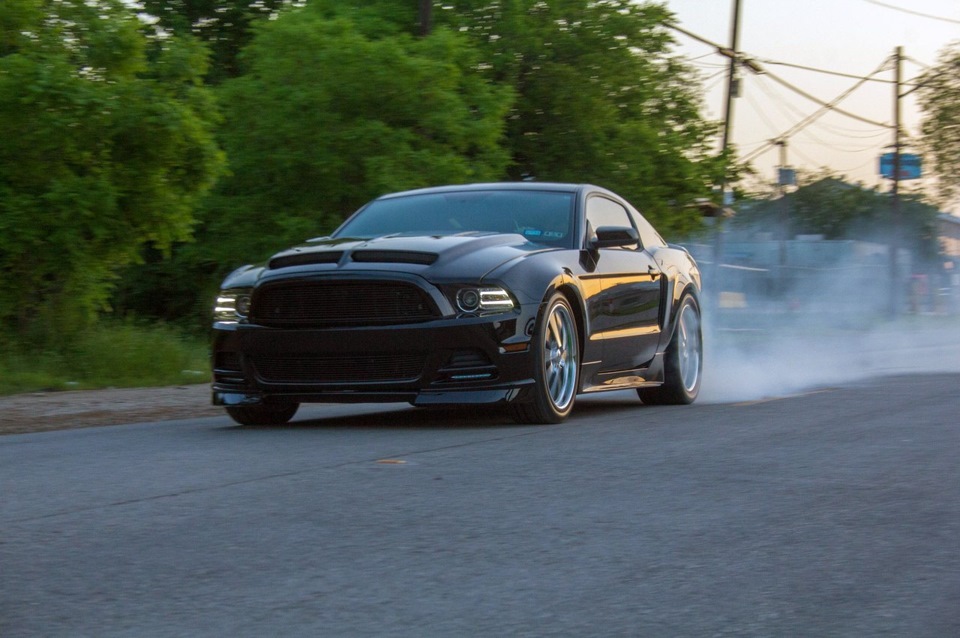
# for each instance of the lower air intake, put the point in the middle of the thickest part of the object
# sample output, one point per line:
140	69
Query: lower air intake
298	368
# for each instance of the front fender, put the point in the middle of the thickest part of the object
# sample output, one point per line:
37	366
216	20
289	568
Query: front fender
537	277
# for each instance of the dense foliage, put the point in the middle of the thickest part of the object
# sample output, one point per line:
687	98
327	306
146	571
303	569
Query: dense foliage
600	98
939	98
338	102
336	110
321	105
225	26
108	145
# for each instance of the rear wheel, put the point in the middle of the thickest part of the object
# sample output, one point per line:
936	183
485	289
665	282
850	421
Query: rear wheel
265	414
683	363
557	372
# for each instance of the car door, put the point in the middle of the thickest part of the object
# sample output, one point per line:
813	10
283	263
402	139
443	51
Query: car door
630	297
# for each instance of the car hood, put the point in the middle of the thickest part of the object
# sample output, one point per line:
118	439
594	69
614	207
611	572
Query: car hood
442	258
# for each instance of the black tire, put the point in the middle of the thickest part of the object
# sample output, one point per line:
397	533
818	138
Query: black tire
683	360
266	414
556	375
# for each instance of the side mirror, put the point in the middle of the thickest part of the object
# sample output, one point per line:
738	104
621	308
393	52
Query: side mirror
615	237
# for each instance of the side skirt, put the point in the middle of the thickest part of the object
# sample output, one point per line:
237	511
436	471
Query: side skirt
649	376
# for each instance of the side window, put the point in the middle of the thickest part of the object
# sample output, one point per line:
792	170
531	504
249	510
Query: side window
648	236
606	212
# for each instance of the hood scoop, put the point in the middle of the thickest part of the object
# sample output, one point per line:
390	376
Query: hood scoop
306	258
394	257
368	256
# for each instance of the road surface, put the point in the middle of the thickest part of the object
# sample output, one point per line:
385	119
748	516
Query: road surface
834	512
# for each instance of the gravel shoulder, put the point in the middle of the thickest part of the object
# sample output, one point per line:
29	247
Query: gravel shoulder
45	411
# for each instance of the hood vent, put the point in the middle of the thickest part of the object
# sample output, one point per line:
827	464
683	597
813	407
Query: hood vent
394	257
304	259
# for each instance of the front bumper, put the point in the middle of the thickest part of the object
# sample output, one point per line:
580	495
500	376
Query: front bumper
478	360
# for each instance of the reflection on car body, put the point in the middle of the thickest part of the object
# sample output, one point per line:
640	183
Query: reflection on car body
519	293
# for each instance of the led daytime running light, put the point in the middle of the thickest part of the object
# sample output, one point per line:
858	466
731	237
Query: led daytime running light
495	299
484	300
231	306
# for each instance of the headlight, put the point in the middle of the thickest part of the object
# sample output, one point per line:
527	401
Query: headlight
232	305
483	300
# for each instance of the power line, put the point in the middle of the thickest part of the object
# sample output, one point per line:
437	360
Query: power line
752	63
912	12
760	113
868	162
700	57
795	114
700	64
853	134
916	61
780	102
824	71
819	113
827	105
806	158
754	66
714	76
873	132
842	148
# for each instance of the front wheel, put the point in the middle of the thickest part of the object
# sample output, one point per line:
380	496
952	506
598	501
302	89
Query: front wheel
683	363
265	414
557	361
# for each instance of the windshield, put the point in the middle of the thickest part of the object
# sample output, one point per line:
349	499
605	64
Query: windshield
540	216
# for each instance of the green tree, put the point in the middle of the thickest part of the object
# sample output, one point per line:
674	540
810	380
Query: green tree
939	99
340	102
224	25
601	98
106	149
338	108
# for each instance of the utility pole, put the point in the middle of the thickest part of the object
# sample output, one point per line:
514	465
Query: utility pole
426	7
732	81
782	206
895	191
732	91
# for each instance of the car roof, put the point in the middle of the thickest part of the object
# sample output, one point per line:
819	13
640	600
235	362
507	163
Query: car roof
517	186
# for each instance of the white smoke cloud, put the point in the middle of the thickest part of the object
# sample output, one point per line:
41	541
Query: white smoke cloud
781	362
818	327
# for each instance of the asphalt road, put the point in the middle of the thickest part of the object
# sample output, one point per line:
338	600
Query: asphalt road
831	513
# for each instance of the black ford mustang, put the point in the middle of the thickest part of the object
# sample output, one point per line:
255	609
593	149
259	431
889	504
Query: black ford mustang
521	293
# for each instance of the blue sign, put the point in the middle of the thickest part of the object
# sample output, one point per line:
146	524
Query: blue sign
909	166
786	177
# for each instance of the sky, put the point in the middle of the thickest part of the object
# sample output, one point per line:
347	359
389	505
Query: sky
853	37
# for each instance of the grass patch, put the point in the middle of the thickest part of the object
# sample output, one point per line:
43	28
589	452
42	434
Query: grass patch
119	355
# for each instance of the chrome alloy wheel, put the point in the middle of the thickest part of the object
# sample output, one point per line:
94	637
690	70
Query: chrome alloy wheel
560	357
689	347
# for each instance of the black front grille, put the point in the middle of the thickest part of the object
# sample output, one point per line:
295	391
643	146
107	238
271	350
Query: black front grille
340	303
299	368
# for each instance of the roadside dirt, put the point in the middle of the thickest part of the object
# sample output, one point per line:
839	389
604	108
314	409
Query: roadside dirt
44	411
